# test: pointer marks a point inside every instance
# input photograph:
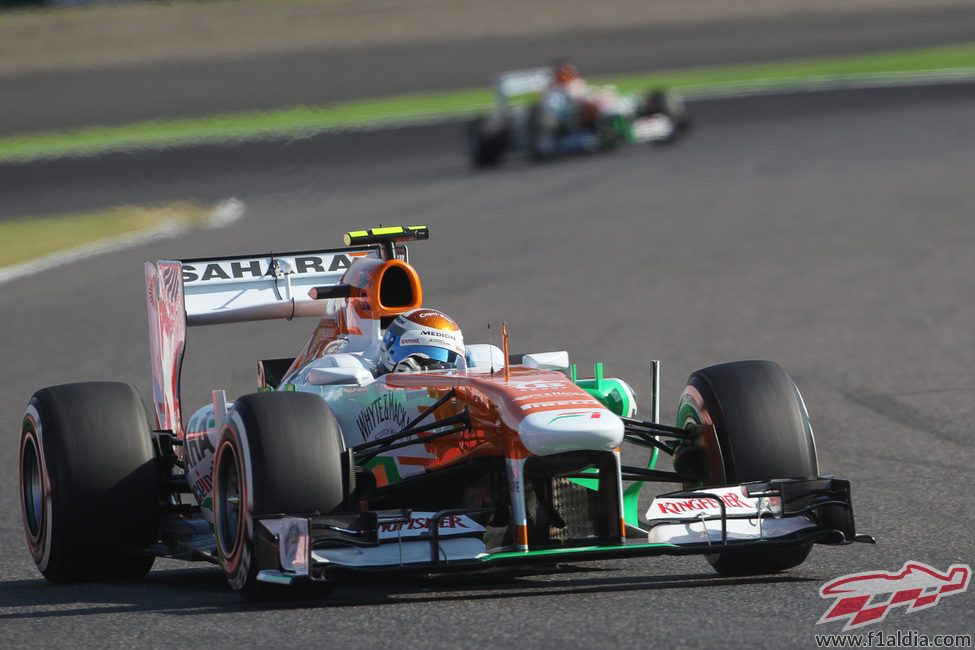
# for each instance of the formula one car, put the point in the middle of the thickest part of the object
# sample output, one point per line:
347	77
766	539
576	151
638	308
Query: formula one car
500	460
569	117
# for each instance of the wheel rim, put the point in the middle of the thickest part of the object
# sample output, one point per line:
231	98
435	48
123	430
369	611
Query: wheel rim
229	501
32	488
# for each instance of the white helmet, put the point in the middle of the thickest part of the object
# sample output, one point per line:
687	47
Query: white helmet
422	332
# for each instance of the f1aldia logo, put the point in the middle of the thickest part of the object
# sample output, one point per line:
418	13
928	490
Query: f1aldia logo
865	598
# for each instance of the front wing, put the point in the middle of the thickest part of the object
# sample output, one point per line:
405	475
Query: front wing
781	513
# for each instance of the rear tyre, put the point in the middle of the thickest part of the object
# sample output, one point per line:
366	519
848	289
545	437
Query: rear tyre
763	432
671	106
486	142
278	453
89	488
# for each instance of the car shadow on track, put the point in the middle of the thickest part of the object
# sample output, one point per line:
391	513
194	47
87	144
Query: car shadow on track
456	588
195	589
194	592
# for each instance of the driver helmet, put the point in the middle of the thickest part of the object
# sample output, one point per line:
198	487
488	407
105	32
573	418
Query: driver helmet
564	72
422	332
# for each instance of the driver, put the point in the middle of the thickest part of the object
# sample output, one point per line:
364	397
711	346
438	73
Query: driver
565	79
566	101
422	339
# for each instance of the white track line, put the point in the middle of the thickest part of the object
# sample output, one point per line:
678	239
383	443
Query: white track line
225	213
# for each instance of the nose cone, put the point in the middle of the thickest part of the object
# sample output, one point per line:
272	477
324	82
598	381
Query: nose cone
552	432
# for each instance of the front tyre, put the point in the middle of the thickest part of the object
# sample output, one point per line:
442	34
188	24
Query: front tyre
763	433
278	453
89	487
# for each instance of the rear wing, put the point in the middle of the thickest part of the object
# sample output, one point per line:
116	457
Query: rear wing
218	290
521	82
249	287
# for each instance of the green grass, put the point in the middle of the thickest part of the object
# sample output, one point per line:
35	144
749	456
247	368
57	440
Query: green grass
297	122
304	121
27	238
927	60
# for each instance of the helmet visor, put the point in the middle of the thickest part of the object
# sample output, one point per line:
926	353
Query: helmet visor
435	353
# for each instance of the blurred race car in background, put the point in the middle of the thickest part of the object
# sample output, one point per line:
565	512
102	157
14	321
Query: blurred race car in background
569	116
339	463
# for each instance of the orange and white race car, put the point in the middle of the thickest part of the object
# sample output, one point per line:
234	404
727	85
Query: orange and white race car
388	444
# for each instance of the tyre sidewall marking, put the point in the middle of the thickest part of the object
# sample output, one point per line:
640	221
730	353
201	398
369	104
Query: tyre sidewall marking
691	399
227	447
691	408
40	548
237	565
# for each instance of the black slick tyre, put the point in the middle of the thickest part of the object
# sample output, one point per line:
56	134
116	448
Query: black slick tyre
670	106
278	453
486	143
763	432
89	487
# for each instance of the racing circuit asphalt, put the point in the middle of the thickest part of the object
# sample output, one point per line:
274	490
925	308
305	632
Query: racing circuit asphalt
832	233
